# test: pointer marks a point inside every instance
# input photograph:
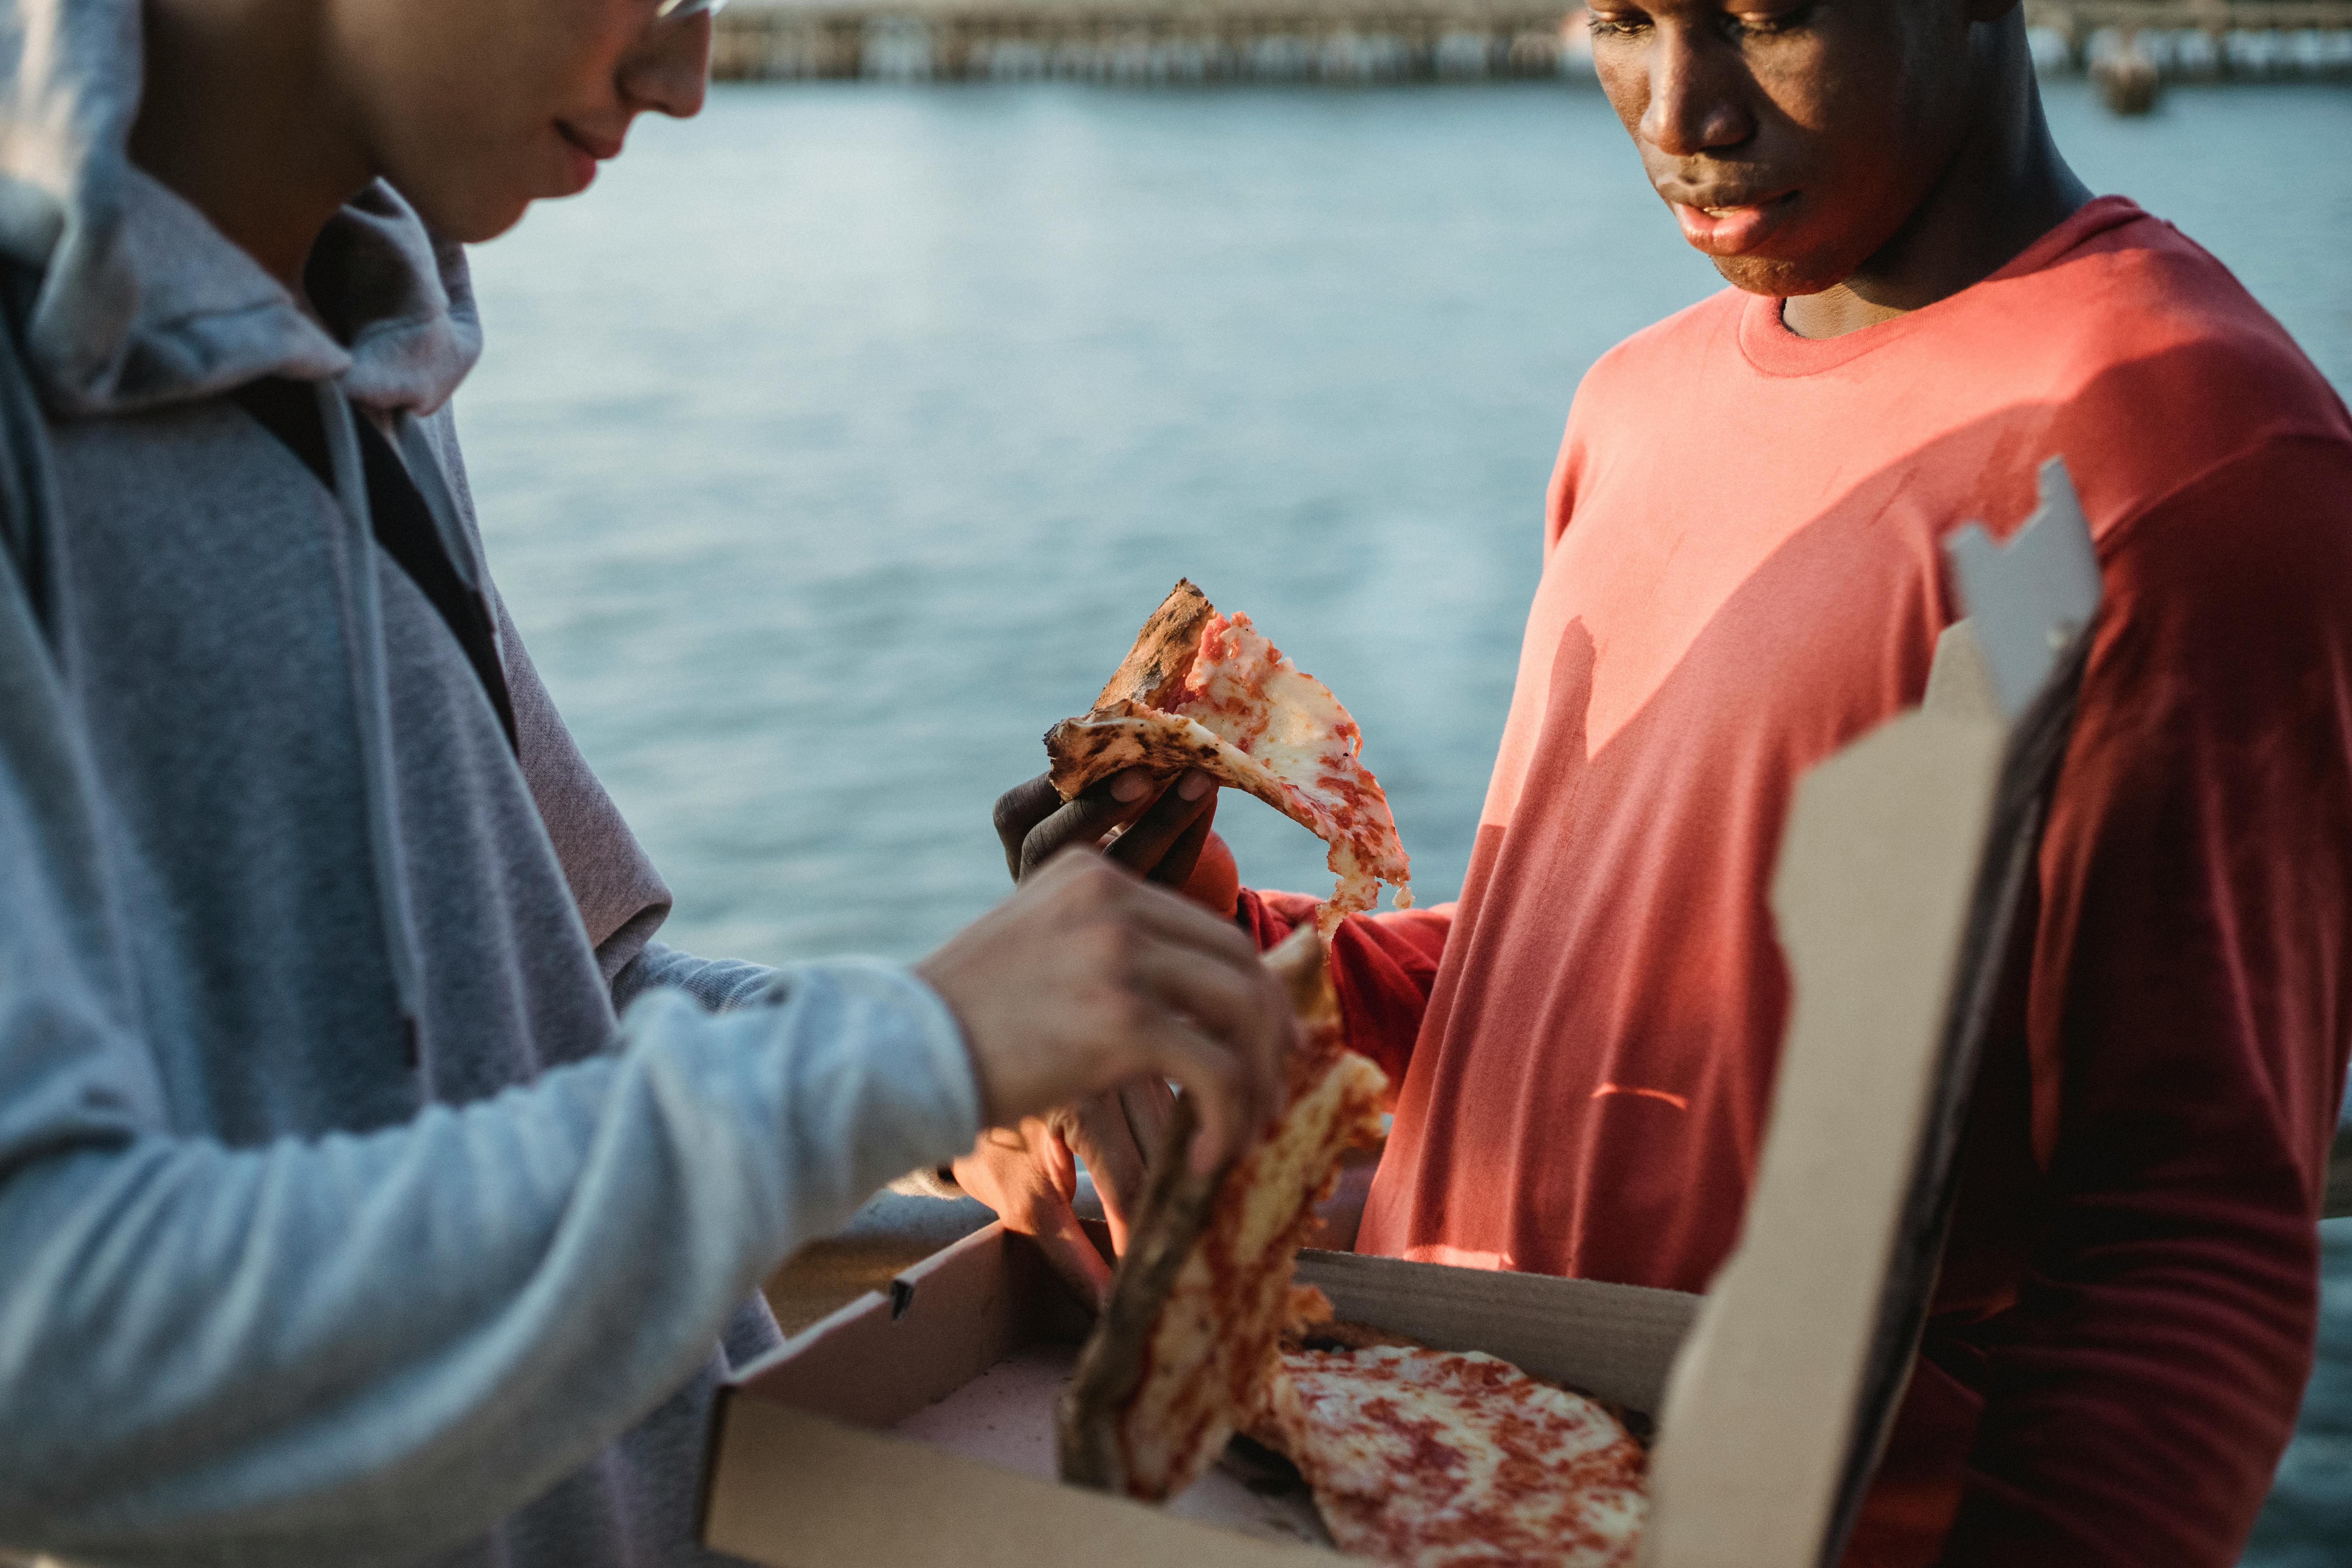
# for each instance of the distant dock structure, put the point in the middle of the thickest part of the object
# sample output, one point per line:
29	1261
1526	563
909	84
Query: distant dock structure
1364	42
2197	40
1173	42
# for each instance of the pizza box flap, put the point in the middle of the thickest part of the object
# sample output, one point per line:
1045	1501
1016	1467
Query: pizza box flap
792	1488
1614	1342
1898	875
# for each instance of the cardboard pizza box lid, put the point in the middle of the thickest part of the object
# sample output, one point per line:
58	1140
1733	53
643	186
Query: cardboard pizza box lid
1898	875
1897	880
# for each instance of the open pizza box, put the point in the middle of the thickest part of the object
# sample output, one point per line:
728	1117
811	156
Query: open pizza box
917	1428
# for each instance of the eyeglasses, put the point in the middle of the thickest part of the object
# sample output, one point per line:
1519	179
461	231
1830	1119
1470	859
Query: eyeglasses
680	10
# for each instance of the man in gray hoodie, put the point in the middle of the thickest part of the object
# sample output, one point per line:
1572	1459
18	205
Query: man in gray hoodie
372	1186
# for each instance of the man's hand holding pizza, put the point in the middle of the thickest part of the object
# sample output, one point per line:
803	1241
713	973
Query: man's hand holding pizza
1028	1172
1164	828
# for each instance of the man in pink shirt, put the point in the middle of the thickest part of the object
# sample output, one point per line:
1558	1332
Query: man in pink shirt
1742	573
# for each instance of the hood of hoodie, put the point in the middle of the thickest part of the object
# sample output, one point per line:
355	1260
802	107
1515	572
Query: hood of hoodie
141	302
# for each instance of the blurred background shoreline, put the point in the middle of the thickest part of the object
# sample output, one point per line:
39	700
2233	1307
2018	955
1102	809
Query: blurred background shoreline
835	446
1365	42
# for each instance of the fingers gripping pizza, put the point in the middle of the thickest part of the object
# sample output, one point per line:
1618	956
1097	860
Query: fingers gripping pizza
1203	1291
1204	691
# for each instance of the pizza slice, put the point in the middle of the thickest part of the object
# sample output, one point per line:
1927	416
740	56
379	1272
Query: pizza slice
1184	1347
1428	1459
1204	691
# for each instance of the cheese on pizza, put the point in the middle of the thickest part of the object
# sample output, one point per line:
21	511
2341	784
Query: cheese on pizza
1203	1291
1426	1458
1201	689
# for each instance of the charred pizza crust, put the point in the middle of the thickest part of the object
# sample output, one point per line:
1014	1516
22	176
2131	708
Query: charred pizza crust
1125	734
1119	731
1155	668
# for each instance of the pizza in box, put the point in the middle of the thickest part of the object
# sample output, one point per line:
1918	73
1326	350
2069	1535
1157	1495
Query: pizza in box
1416	1456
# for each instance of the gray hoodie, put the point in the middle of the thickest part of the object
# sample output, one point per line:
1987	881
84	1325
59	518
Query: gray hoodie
277	1286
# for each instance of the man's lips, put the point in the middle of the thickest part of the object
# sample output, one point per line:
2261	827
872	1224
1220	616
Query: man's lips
585	153
1731	223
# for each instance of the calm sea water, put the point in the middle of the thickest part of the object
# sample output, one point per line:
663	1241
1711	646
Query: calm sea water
835	444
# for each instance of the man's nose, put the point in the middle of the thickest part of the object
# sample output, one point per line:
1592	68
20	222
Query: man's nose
669	69
1696	99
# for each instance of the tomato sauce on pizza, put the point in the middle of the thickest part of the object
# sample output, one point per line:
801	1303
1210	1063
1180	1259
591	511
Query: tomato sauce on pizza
1426	1458
1207	690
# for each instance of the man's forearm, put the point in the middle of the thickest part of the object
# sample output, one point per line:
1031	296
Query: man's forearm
289	1354
2138	1409
1383	966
